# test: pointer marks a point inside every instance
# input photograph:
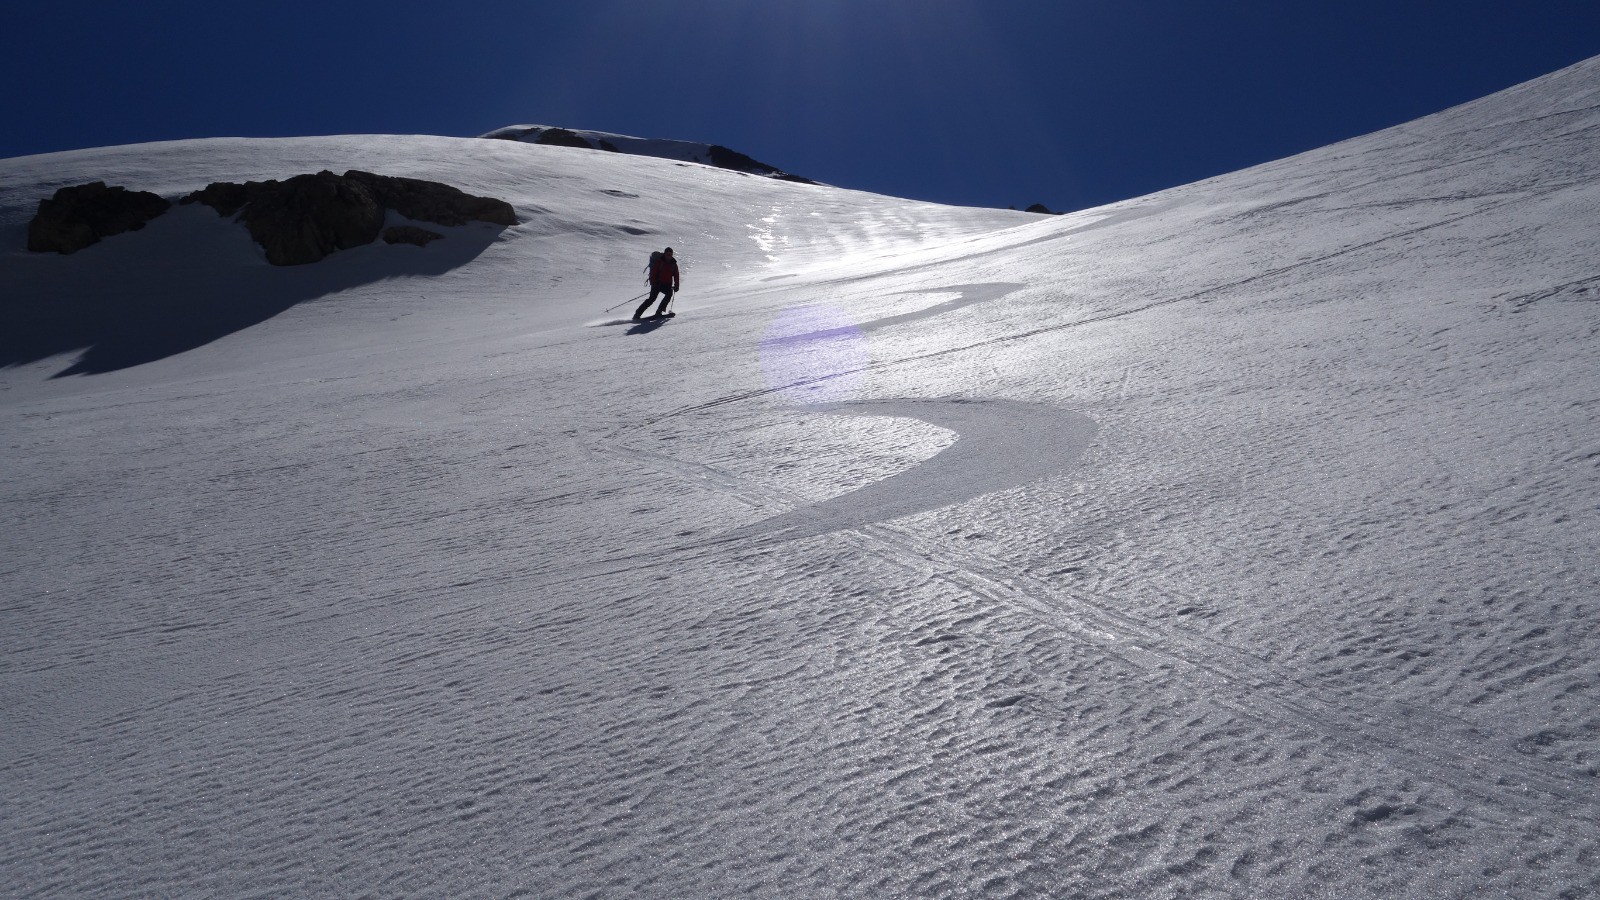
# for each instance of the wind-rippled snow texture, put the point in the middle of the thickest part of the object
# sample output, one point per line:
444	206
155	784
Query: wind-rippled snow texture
480	602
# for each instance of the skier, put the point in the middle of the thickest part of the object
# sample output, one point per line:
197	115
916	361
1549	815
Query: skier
664	280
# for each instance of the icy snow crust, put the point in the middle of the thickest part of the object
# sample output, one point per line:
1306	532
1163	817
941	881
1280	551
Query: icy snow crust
1233	541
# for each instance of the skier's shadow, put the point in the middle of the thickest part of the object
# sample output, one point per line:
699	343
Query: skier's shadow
646	326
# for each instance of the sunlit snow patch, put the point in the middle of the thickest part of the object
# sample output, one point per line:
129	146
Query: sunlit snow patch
814	354
766	235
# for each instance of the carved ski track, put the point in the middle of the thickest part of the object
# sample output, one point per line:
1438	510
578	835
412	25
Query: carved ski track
1103	317
1448	755
1435	747
1521	301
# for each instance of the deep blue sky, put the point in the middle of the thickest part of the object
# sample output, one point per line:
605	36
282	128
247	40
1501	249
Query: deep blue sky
983	102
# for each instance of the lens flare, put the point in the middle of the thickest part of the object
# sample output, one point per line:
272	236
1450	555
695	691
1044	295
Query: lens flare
814	354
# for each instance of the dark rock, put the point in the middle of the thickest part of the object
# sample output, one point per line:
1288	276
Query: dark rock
1039	208
225	197
561	137
79	216
431	201
305	218
705	154
724	158
511	134
410	234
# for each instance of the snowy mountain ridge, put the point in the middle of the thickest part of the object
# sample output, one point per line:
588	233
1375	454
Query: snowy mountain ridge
686	151
1238	540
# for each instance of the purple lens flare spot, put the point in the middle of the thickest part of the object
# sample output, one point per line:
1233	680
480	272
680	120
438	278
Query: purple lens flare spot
814	354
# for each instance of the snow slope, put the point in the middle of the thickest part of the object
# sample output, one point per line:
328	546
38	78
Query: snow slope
1238	540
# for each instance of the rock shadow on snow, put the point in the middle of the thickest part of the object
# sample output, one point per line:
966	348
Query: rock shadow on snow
1001	444
184	280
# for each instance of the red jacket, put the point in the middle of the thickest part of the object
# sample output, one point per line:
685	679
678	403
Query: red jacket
663	270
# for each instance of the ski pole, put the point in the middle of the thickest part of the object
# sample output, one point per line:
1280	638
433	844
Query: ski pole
626	302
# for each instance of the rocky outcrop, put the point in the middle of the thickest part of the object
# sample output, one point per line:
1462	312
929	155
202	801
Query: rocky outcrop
225	197
431	201
303	219
724	158
512	134
685	151
561	137
79	216
410	234
1039	208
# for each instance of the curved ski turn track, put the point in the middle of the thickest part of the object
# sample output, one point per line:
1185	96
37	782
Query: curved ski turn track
1236	541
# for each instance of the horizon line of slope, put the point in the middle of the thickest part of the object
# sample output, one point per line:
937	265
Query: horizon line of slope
663	148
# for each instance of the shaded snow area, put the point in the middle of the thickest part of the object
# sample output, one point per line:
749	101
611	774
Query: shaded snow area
1235	541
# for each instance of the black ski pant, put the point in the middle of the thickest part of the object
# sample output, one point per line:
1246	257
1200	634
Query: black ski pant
665	290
